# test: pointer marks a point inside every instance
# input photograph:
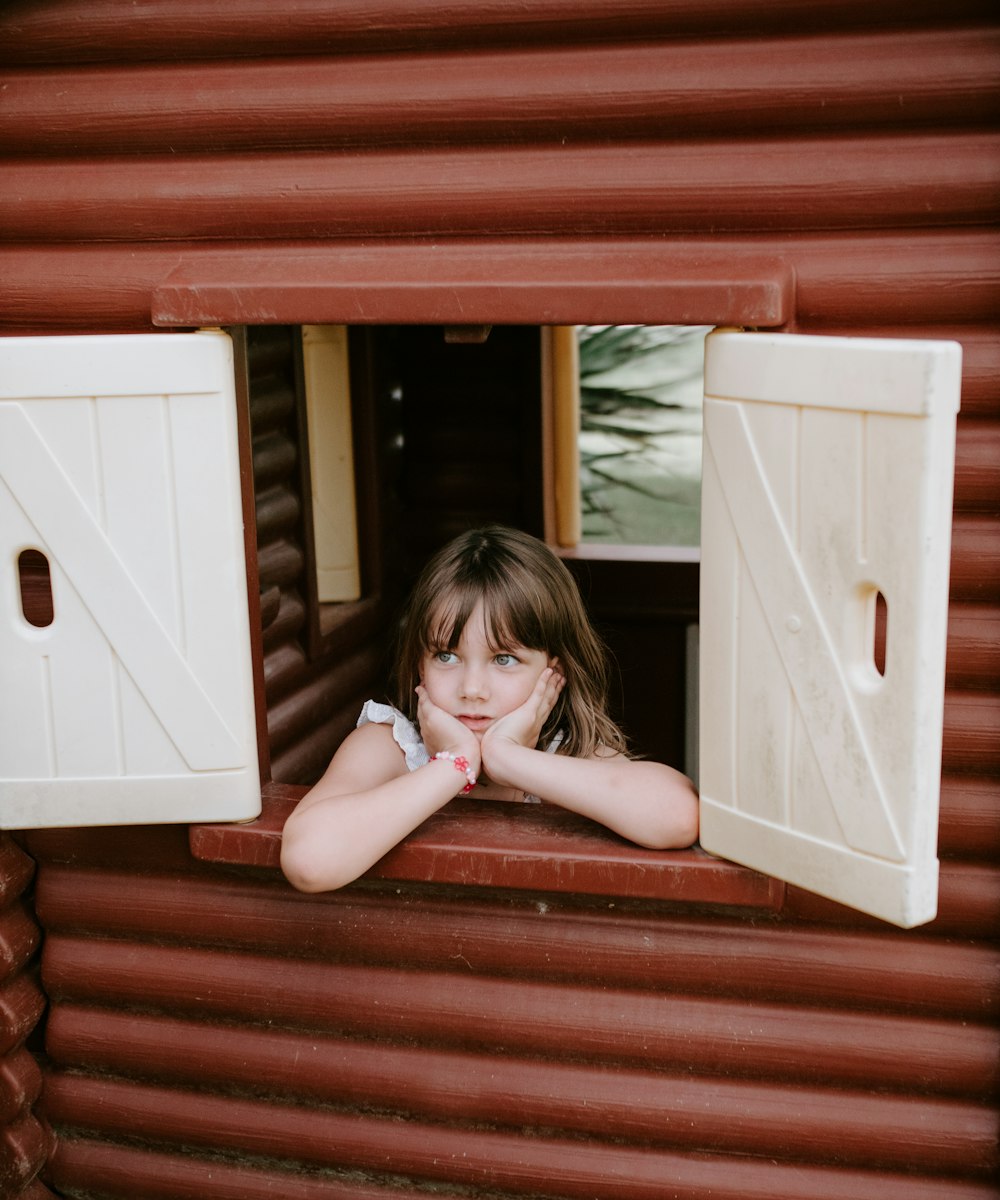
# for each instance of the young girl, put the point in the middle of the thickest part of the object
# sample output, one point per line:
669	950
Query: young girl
500	694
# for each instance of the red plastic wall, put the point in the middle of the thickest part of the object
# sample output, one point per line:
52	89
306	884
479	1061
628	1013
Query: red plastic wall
25	1142
212	1034
213	1029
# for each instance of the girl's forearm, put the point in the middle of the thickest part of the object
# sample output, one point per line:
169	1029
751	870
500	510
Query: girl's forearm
646	802
331	839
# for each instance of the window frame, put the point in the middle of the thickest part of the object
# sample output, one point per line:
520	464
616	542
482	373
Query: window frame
584	553
930	391
543	281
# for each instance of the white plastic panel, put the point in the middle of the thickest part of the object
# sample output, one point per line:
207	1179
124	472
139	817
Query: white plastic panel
119	463
827	484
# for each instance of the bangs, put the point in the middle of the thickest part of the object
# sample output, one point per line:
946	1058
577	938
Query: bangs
510	616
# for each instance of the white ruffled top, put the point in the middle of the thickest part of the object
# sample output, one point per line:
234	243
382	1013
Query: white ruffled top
407	736
404	733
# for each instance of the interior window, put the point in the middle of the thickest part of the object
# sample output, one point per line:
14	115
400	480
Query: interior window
640	433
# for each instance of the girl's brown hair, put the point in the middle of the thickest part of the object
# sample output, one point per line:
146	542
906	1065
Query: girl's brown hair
530	599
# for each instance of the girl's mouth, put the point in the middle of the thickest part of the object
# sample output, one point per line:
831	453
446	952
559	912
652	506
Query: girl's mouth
475	723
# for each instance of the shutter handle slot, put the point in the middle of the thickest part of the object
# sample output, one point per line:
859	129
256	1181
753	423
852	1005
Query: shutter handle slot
35	583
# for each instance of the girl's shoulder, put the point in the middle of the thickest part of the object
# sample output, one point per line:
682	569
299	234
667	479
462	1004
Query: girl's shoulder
365	758
373	741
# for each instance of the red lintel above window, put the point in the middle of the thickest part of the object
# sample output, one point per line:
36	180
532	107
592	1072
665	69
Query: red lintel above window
535	282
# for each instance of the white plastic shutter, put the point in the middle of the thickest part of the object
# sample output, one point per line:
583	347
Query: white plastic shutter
828	468
119	462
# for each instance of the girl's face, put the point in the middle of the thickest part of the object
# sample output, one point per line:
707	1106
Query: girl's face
479	683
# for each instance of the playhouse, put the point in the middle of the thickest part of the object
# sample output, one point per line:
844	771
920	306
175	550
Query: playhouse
284	293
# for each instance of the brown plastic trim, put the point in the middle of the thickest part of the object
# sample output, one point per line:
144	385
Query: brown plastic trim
524	282
524	847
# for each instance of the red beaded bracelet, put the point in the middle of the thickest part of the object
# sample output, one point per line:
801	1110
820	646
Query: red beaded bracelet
461	764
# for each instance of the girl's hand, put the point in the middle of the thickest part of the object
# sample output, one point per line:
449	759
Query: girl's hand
441	731
523	726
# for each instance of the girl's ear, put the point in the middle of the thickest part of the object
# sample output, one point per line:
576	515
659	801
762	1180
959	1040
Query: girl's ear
554	661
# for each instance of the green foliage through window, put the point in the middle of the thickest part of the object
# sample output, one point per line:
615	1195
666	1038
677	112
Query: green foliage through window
640	436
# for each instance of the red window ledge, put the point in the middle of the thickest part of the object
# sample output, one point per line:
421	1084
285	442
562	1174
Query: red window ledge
527	847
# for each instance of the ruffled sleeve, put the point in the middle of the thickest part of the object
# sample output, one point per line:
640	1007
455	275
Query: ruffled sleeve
405	734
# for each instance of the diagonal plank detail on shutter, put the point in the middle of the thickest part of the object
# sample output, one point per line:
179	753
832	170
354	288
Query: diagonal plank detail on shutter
802	640
105	586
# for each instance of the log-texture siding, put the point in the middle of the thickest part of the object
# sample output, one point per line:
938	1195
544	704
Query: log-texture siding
25	1142
519	1043
213	1034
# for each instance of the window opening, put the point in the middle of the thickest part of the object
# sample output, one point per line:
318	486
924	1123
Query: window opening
640	389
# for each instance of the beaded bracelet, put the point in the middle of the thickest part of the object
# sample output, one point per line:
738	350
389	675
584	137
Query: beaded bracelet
461	764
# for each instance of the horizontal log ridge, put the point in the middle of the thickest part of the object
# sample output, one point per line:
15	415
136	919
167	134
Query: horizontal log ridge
718	88
785	184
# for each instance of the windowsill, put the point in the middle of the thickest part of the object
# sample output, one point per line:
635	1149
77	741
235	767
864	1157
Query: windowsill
525	847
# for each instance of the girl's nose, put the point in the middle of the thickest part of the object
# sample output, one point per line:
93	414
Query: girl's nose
474	685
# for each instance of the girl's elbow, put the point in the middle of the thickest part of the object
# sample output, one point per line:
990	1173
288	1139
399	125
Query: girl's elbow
672	810
686	828
307	871
300	875
310	885
687	820
679	827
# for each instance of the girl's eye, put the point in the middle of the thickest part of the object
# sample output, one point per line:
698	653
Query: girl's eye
505	659
445	656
